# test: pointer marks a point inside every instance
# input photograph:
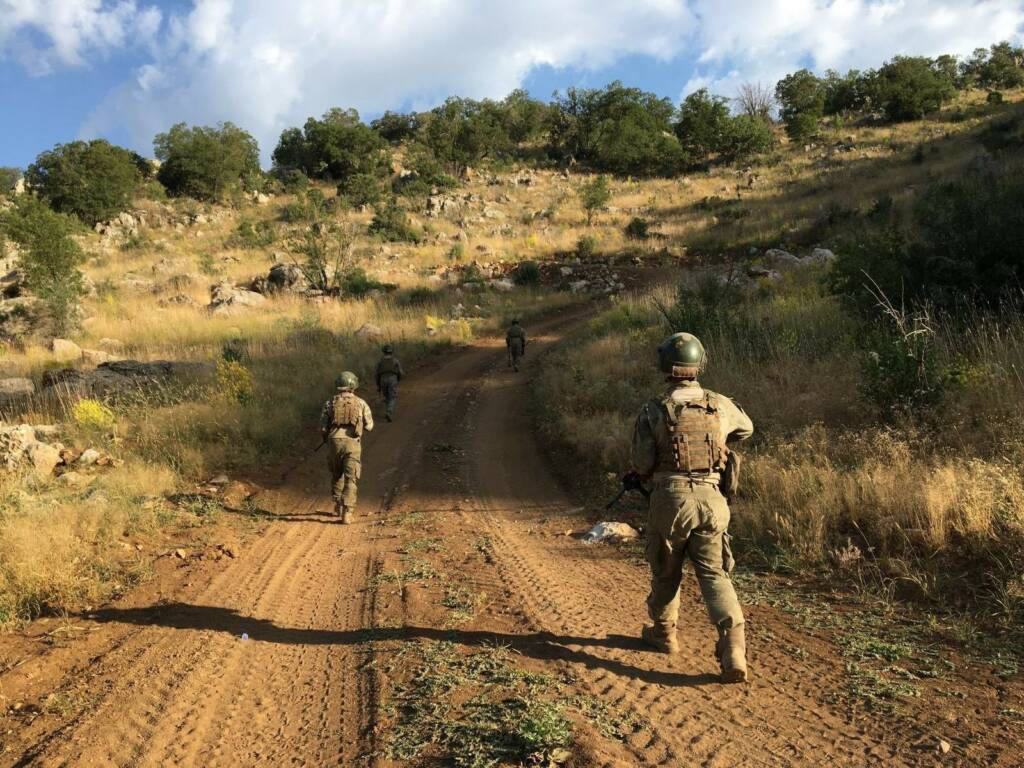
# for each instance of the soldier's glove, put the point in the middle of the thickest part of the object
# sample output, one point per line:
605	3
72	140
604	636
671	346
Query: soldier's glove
632	481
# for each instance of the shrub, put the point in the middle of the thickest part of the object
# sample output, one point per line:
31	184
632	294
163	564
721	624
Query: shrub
585	247
249	235
994	97
593	195
745	136
51	256
92	415
93	180
909	87
391	224
207	163
355	282
638	228
395	127
234	382
8	179
526	273
293	181
703	124
361	189
336	147
801	97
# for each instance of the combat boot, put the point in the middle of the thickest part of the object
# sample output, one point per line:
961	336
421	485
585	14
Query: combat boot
661	638
731	650
338	509
346	515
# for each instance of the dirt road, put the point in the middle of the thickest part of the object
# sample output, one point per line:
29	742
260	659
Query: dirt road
172	681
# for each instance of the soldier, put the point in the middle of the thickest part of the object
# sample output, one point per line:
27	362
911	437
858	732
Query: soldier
680	443
344	419
515	340
389	373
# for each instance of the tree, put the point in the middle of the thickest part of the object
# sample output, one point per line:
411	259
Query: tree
845	93
337	146
206	163
703	124
593	196
93	180
462	132
801	97
745	136
756	100
618	129
522	116
396	127
910	87
50	257
8	179
1001	66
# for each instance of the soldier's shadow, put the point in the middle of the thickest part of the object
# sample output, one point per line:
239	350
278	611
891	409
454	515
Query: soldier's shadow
538	645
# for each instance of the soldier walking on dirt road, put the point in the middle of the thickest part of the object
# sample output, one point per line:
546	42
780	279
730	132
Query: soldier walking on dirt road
679	442
515	340
389	373
343	420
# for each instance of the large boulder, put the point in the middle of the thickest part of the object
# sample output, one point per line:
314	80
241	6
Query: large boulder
822	256
285	277
777	258
369	332
23	445
226	299
121	376
64	349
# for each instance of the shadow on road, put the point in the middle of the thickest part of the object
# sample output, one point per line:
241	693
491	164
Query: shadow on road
538	645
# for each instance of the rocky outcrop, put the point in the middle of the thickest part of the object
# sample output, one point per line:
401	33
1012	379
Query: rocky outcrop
228	299
122	376
24	446
15	392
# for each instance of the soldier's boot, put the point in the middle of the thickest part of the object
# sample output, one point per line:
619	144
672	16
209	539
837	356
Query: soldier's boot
346	515
731	650
661	637
338	509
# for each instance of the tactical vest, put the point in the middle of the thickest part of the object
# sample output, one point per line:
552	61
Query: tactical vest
387	365
347	413
695	444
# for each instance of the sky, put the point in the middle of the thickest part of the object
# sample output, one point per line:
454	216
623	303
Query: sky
125	70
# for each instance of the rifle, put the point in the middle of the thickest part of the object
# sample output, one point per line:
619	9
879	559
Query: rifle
631	481
322	444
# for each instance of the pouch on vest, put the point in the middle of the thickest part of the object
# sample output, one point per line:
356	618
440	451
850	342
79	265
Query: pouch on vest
347	414
730	483
387	365
694	432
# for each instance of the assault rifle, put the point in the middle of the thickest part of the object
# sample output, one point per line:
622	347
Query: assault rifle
631	481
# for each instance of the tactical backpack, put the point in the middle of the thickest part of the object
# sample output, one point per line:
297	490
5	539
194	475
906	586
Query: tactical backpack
695	437
346	411
387	365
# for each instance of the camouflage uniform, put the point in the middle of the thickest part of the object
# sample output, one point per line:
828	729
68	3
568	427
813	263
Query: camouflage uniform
515	340
688	516
389	373
345	458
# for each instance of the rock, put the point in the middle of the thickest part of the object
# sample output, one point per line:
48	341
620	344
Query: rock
96	356
44	458
579	286
778	258
75	480
566	271
226	299
88	457
220	480
15	391
234	494
944	746
14	444
260	199
502	284
763	273
822	256
369	332
611	532
63	349
119	376
285	277
493	213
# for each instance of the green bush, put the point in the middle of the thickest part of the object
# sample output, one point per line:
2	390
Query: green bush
638	228
703	124
391	224
910	87
355	282
801	98
93	180
249	235
293	181
593	195
8	179
462	132
746	136
586	247
207	163
50	258
396	127
994	97
526	273
361	189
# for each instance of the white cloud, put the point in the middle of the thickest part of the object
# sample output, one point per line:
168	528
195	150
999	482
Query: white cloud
269	64
43	35
743	41
266	64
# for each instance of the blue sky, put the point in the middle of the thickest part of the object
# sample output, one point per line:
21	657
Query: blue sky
126	69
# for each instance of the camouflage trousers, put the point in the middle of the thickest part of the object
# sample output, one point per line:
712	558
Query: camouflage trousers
516	352
690	521
389	391
345	463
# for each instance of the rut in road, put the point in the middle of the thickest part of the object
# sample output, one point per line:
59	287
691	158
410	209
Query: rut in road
182	688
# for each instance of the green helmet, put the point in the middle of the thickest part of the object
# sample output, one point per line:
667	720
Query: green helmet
682	356
347	380
387	349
